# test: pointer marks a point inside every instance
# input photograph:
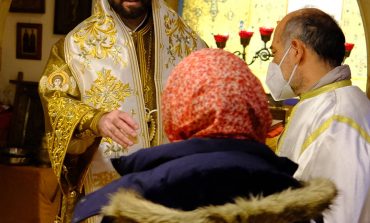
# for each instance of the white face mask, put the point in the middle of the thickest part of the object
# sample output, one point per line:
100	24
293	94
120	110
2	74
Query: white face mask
279	88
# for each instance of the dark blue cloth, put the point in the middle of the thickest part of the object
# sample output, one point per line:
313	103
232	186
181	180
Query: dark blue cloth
196	172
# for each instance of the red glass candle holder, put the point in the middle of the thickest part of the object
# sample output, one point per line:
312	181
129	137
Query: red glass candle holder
245	37
348	47
266	33
221	40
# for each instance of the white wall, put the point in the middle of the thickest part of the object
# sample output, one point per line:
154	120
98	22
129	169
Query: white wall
32	69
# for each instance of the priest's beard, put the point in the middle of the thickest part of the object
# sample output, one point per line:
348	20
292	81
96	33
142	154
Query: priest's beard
132	12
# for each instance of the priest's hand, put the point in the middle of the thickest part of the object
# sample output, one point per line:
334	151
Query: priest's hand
119	126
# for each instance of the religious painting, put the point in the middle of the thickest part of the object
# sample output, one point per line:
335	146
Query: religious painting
28	6
69	13
29	39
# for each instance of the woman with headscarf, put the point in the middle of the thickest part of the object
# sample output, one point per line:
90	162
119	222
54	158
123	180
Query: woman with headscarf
215	114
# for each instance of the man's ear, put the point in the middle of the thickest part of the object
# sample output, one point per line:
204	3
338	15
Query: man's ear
299	50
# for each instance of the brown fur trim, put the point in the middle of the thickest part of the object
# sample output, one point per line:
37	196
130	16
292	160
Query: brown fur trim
288	206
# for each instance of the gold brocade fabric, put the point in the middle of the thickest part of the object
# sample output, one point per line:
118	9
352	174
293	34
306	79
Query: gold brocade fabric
63	112
99	67
144	45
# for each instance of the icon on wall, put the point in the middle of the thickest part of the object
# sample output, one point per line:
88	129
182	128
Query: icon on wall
69	13
29	39
27	6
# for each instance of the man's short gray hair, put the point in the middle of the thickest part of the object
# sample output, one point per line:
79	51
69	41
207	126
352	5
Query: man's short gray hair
319	31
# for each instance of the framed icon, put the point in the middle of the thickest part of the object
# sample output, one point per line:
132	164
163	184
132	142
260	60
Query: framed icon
29	40
27	6
69	13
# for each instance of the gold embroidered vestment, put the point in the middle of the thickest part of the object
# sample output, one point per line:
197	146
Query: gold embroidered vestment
99	67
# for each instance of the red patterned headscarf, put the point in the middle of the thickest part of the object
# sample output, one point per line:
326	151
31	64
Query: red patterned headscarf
212	93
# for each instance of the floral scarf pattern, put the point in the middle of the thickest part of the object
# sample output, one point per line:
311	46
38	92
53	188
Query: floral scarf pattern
212	93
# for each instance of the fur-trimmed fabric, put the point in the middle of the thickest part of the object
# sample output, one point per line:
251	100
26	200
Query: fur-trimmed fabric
195	173
291	205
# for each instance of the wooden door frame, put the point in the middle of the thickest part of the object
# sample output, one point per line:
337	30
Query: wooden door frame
364	6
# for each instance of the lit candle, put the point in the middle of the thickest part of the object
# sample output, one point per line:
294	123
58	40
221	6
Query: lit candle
266	33
348	47
221	40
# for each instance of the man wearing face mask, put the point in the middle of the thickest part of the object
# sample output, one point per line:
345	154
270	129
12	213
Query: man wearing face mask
328	131
113	67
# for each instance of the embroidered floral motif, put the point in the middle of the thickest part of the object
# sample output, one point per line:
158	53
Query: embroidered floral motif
107	92
97	39
64	116
182	40
112	149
